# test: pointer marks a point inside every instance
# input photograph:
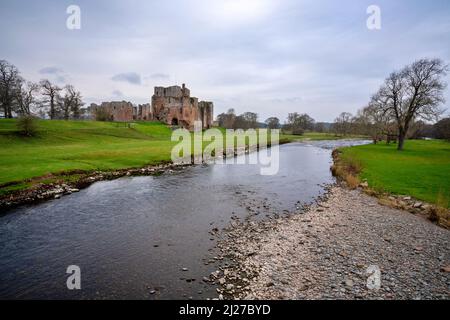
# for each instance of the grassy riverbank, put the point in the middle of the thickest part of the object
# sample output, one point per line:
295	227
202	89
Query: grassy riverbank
422	170
84	146
78	145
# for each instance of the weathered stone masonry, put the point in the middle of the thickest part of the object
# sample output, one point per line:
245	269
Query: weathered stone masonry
117	110
173	106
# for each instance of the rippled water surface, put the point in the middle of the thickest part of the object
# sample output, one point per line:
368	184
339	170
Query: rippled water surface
134	235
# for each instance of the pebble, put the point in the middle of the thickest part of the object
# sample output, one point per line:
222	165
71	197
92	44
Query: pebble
314	258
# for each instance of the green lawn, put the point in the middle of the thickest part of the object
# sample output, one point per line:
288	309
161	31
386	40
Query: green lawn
422	170
84	145
62	146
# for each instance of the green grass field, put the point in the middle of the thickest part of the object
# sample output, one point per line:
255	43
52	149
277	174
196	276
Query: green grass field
422	170
65	146
83	145
62	146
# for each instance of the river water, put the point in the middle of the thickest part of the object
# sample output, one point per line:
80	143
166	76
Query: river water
134	238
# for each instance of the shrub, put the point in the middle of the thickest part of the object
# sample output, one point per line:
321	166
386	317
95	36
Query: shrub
352	181
347	169
27	125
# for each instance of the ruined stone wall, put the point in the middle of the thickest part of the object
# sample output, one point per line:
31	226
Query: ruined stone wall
117	110
206	109
171	105
121	111
173	92
175	106
144	112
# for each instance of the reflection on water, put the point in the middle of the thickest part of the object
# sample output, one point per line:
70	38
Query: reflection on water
134	235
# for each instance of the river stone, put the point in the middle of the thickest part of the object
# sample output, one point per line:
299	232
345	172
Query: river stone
417	205
446	269
349	282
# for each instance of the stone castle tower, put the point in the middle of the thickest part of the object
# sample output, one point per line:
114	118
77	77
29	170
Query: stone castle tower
175	106
172	105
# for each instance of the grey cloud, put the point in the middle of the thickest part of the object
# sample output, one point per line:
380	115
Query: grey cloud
117	93
288	99
50	70
130	77
160	76
55	73
304	56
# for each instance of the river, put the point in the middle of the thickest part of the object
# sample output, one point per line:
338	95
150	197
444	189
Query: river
148	237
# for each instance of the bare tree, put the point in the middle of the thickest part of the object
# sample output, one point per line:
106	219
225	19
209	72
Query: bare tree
372	121
342	124
246	120
26	97
9	83
71	102
273	123
298	123
77	103
65	102
226	120
51	91
414	92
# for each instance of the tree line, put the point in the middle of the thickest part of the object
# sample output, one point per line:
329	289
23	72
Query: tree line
346	124
295	123
25	98
404	105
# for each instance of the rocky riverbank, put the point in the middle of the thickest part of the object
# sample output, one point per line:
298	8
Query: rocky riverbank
46	191
73	181
325	253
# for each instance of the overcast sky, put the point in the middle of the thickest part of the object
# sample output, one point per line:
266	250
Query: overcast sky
270	57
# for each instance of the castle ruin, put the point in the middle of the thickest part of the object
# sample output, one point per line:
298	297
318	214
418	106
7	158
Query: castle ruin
173	106
114	111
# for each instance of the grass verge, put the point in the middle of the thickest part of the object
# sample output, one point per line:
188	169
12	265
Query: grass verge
421	171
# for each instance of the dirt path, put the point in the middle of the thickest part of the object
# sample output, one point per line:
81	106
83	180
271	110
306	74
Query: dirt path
325	253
